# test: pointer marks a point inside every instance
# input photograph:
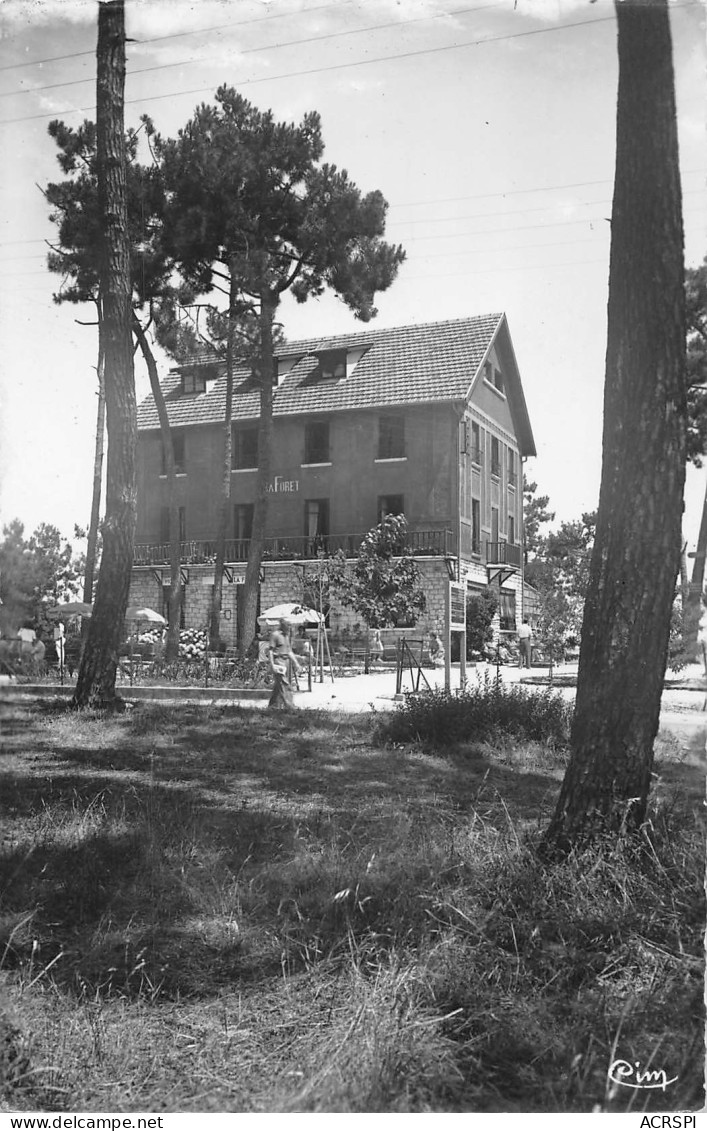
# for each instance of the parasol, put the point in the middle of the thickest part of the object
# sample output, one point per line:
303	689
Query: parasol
133	612
71	609
294	613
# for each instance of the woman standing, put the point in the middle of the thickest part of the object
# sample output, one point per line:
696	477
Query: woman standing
282	660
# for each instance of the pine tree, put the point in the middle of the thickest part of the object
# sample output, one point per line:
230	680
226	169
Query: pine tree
95	684
76	257
636	553
253	214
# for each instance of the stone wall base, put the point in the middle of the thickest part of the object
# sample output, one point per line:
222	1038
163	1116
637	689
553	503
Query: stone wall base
289	581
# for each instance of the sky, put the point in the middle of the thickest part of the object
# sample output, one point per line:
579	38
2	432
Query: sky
489	127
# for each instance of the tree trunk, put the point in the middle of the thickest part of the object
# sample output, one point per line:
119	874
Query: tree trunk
226	470
249	607
92	545
175	582
636	554
96	679
692	607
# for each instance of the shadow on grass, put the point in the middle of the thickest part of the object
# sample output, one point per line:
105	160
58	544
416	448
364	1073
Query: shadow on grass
177	849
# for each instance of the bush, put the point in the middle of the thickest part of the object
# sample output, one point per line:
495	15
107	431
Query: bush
478	712
481	608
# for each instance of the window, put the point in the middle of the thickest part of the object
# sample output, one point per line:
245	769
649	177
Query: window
244	449
475	442
493	376
164	525
243	521
332	366
316	441
507	610
391	437
179	449
475	526
193	383
390	504
512	529
512	477
316	521
495	456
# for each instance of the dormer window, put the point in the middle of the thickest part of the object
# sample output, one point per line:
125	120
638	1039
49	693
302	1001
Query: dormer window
197	378
332	365
193	382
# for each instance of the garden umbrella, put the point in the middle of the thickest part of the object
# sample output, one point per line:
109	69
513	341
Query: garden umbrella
133	612
71	609
294	613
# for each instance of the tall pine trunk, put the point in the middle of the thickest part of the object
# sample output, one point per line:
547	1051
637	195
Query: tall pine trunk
249	604
226	470
636	554
175	585
92	543
96	678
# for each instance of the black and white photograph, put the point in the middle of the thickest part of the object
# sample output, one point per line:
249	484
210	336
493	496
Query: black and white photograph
353	541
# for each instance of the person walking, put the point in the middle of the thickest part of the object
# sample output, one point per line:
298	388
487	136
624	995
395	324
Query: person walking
282	662
525	643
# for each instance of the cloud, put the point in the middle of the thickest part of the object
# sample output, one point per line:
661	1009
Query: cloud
552	11
23	15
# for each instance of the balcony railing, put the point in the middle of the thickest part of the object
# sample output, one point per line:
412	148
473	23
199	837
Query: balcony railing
502	553
419	543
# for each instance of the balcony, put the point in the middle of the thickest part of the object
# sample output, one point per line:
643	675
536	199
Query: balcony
418	543
502	554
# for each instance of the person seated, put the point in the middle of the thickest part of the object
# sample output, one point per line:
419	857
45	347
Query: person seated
301	646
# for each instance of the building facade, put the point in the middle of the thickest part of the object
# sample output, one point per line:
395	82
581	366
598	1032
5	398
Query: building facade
429	421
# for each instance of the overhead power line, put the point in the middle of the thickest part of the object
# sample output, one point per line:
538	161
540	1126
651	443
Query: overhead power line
254	50
343	66
450	235
396	56
181	34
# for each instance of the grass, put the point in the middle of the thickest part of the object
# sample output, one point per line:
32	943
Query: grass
207	909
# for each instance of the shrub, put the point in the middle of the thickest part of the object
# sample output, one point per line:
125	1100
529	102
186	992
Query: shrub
481	608
478	712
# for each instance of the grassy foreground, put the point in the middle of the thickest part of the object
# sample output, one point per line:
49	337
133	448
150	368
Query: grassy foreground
207	909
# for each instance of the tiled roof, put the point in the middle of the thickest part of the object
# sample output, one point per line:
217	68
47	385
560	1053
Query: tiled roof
434	361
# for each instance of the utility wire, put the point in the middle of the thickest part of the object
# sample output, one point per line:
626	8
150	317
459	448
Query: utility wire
333	67
338	66
179	35
476	196
254	50
446	235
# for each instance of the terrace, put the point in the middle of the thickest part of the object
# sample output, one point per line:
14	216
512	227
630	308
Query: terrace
433	542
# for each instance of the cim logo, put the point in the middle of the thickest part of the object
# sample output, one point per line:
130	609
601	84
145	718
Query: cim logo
632	1076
